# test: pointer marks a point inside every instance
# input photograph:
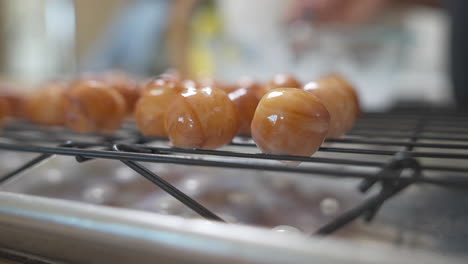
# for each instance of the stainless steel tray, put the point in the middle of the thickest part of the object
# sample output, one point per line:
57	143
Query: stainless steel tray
81	233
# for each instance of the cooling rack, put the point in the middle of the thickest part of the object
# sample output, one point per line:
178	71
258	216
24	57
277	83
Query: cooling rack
415	145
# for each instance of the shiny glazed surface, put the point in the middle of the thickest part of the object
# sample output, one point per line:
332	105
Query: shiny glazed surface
202	118
93	106
341	101
290	121
282	80
246	101
163	81
150	110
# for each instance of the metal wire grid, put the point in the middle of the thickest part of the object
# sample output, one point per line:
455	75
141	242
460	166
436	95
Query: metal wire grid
415	133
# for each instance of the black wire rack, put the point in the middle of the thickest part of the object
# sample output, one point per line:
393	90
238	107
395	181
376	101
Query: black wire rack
394	149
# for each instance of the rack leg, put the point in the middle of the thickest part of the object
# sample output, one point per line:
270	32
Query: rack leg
173	191
26	166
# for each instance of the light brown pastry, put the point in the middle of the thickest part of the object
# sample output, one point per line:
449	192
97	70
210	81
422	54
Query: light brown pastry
46	106
202	118
341	101
229	88
282	80
93	106
16	103
290	121
126	86
213	83
246	100
163	81
348	86
12	92
151	109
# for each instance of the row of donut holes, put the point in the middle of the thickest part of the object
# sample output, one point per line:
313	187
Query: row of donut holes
283	116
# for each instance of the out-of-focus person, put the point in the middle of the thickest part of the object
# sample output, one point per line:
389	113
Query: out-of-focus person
227	39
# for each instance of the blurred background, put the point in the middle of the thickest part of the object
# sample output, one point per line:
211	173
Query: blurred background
400	54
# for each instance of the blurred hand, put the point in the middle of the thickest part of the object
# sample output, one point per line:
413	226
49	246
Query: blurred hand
338	11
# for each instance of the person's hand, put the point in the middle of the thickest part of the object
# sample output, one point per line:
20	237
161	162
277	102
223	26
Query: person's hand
338	11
